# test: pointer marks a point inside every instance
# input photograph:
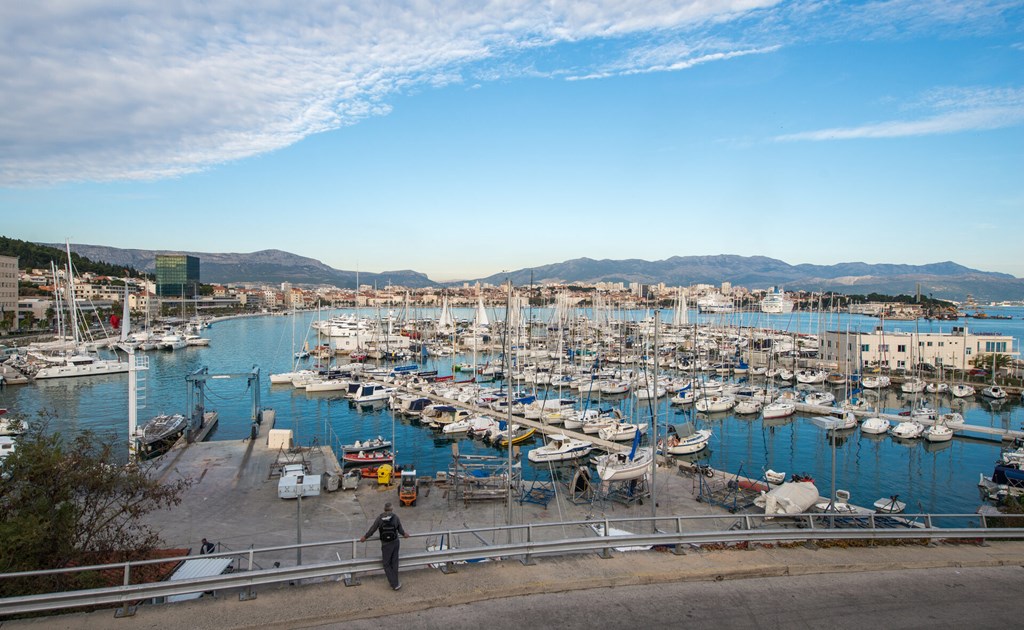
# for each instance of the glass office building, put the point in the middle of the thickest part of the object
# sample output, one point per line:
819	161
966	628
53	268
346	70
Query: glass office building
177	275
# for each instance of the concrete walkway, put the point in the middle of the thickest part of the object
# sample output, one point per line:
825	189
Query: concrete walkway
331	602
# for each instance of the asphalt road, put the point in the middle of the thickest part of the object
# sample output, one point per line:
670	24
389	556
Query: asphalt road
925	598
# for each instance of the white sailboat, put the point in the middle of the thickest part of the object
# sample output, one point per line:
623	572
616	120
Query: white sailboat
77	361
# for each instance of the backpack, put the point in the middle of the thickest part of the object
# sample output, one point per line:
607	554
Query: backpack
388	530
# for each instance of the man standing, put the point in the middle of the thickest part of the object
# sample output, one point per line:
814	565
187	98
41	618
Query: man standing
206	547
390	527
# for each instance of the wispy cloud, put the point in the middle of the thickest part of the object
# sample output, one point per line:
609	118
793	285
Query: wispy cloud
118	90
112	89
945	111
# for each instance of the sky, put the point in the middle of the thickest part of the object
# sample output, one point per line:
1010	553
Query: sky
464	139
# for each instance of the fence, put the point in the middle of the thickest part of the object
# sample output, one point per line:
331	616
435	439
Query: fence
524	542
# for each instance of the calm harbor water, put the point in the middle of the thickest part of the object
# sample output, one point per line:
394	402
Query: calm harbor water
937	478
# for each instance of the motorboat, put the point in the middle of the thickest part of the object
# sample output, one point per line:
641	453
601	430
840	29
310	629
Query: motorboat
875	426
907	430
157	435
376	444
368	457
685	439
937	388
994	392
560	448
622	467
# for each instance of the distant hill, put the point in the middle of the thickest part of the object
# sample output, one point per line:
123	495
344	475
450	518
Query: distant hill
36	256
945	280
269	266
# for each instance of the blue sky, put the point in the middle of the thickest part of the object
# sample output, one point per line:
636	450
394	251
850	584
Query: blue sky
465	139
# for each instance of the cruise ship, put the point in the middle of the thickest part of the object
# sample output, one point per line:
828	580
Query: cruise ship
775	302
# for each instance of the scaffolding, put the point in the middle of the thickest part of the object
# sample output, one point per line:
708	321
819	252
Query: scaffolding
482	478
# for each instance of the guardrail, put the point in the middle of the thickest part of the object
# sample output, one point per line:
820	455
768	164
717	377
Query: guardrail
524	542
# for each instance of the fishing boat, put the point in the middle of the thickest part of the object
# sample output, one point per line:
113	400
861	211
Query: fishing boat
376	444
560	448
368	458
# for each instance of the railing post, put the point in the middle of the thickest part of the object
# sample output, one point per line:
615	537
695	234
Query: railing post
126	610
873	526
677	548
528	558
606	552
249	593
351	579
448	567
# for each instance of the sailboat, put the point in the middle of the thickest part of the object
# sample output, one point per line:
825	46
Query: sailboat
77	360
621	466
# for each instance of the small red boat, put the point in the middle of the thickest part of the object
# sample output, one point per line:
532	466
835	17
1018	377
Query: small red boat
372	458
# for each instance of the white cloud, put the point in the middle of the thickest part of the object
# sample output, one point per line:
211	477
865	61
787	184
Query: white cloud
946	111
101	90
113	89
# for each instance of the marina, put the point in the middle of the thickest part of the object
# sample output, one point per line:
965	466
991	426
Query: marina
938	477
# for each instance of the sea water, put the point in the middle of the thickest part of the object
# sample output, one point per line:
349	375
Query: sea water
936	478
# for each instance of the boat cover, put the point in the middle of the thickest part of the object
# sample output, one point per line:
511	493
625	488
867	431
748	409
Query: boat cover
789	498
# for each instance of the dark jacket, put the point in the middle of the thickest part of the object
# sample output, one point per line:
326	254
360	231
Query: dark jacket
380	521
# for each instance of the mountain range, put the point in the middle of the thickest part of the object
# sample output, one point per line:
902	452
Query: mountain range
944	280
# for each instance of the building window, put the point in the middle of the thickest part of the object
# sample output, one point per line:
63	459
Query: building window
942	343
901	348
883	347
865	347
967	351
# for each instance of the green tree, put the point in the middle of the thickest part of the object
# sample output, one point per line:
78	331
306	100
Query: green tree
72	501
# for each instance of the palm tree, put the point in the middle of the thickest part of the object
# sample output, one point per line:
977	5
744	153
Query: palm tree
993	361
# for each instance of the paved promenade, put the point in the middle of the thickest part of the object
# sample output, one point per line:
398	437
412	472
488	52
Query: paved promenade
330	603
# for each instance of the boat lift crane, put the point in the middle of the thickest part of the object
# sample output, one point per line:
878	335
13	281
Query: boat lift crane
197	397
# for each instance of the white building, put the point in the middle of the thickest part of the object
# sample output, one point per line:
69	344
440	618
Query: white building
904	350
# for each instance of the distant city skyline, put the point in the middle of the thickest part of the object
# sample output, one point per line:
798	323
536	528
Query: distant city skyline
463	141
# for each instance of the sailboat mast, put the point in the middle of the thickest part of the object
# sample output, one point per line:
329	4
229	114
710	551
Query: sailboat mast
73	322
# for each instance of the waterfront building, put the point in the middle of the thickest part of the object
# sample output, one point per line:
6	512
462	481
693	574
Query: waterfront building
177	275
9	291
904	350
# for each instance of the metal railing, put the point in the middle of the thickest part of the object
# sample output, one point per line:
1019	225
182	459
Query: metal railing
524	542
